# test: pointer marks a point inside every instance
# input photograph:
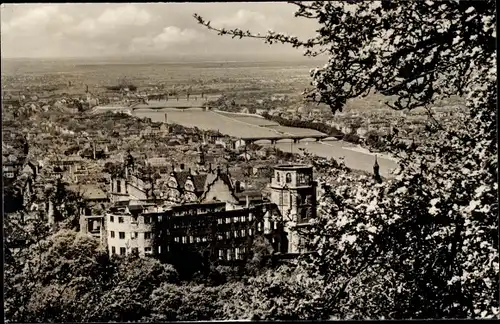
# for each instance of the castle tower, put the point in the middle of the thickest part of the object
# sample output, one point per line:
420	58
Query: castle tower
294	192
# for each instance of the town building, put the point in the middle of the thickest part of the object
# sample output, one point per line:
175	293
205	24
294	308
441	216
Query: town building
221	224
238	144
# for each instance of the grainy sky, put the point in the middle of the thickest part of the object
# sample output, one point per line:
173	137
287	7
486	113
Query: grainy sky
107	30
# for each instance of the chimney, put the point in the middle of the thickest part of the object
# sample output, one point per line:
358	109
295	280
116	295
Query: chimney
93	149
165	117
247	201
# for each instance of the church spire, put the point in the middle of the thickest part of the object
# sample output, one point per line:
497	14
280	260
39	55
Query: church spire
201	155
376	169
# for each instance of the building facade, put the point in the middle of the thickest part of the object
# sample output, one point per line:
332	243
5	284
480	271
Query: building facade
220	235
129	230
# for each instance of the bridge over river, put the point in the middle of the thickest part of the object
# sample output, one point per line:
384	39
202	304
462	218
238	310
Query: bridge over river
295	138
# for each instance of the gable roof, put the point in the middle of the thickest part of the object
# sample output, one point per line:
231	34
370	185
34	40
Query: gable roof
224	177
181	177
199	182
211	176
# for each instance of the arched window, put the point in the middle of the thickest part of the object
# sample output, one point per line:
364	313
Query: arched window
278	178
288	178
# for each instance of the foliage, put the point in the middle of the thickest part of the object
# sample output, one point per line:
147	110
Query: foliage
186	303
286	293
55	279
67	203
261	255
133	282
423	245
68	277
114	169
12	197
352	138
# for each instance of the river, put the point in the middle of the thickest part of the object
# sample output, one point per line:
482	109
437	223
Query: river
249	126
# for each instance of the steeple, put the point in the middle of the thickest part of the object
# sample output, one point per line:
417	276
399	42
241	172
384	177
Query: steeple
129	162
376	174
201	156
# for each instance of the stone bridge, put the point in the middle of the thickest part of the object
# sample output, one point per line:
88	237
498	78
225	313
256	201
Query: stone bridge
295	138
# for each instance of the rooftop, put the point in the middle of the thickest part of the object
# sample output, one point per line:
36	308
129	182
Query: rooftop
89	191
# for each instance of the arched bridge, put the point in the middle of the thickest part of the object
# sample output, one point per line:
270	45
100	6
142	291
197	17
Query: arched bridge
295	138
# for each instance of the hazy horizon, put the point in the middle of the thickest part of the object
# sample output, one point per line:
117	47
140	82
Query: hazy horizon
173	58
150	30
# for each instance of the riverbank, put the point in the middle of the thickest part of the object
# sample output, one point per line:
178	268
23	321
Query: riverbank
250	126
368	152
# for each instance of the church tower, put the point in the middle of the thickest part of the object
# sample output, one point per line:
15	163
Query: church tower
376	174
293	190
201	156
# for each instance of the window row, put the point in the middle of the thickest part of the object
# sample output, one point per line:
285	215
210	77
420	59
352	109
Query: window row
232	253
234	234
147	219
235	219
191	239
133	235
301	178
221	236
123	250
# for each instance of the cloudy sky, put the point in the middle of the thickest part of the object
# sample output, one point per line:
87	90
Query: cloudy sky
120	30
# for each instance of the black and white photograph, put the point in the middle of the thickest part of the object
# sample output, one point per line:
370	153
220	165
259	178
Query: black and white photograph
249	161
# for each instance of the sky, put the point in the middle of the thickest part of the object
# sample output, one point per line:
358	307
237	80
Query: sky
156	29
